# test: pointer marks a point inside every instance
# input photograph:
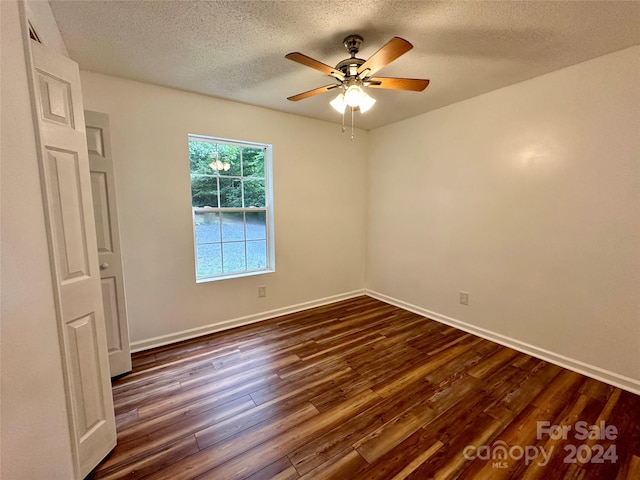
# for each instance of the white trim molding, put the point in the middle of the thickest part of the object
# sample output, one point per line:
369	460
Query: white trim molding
238	322
612	378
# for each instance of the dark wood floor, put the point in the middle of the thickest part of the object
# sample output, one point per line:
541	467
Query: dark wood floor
360	390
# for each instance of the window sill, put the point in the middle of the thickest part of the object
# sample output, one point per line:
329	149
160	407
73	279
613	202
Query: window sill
234	275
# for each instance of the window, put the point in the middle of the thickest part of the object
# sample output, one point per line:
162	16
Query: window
231	200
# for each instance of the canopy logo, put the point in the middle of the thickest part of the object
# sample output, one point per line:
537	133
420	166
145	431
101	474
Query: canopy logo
500	453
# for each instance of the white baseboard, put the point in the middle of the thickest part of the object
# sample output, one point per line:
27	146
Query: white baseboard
237	322
617	380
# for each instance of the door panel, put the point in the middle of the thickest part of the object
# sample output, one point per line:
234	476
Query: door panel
62	178
101	211
83	343
66	187
56	99
110	301
108	241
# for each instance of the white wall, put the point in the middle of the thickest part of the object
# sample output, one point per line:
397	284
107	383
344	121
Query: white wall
319	188
34	431
528	198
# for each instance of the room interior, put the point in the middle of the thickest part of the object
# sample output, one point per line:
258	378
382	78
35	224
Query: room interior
522	191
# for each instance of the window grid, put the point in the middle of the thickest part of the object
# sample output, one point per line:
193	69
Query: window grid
260	242
244	241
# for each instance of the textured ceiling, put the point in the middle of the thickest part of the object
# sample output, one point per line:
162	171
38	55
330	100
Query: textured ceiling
235	49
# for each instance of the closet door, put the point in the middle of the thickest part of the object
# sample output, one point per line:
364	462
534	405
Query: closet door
66	186
105	212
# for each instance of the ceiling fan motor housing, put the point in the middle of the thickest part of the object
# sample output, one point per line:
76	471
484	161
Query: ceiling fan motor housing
352	43
349	67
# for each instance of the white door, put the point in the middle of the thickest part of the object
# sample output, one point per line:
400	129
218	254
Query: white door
108	236
66	186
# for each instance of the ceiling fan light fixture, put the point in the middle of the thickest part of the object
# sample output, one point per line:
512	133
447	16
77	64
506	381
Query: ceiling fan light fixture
366	102
339	104
353	95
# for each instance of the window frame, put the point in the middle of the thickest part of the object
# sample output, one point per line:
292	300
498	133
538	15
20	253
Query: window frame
267	209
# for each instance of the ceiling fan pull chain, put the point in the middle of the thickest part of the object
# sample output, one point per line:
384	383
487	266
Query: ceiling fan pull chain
352	109
343	129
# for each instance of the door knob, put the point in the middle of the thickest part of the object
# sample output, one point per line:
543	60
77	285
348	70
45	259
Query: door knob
104	266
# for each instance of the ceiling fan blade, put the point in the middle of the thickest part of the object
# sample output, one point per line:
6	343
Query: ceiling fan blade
413	84
311	93
388	53
310	62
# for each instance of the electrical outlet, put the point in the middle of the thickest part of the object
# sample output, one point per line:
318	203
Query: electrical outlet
262	291
464	298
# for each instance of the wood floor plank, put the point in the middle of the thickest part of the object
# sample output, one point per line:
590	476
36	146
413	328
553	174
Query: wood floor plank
212	406
522	393
153	462
323	447
131	447
154	371
308	387
238	467
630	470
234	448
140	399
493	363
462	363
403	379
222	393
123	420
418	461
346	464
377	443
281	469
280	415
451	462
357	389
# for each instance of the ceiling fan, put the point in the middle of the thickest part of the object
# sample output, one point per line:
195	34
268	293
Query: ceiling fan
353	74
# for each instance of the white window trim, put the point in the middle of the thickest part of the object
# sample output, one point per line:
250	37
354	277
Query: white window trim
268	209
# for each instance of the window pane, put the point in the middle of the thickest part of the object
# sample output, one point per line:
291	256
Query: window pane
254	193
204	191
207	227
256	255
232	227
253	162
200	156
234	260
230	192
209	260
256	225
230	156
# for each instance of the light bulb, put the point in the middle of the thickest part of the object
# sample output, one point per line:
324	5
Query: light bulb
226	165
366	102
353	95
338	103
